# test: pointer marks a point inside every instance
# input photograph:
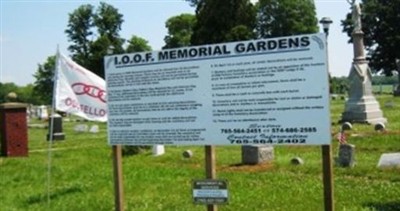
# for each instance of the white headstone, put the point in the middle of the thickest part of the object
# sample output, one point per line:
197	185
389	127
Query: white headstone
81	128
28	114
43	114
389	160
158	150
94	129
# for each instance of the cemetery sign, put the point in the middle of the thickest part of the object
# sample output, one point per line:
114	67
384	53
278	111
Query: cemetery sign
267	91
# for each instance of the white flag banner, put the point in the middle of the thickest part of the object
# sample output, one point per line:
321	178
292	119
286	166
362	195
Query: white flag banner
79	91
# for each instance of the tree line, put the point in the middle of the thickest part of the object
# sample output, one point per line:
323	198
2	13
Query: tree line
94	32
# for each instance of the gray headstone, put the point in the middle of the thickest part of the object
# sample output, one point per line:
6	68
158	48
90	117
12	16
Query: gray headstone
389	160
346	155
255	154
396	91
361	107
57	128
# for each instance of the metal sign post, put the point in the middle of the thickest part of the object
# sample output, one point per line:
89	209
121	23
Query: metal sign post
327	177
118	183
210	170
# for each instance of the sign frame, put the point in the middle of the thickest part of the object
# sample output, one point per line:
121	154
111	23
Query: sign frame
204	191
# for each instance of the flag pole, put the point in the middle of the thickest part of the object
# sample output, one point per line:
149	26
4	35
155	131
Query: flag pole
50	139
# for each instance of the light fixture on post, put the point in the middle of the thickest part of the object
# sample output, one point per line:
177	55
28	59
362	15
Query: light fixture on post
110	50
326	22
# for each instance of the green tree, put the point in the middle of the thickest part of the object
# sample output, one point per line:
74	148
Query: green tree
99	48
93	33
27	94
80	31
137	44
43	85
180	30
108	22
6	88
338	85
221	21
380	24
276	18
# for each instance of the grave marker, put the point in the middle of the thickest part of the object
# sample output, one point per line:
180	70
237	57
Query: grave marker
361	107
158	150
389	160
57	132
94	129
42	112
346	155
81	128
256	154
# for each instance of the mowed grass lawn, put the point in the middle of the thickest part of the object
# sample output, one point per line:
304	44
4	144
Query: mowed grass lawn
82	174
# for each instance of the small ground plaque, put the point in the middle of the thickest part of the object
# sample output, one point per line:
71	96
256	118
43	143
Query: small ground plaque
210	191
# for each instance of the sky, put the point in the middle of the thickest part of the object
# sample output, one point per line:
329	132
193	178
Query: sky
31	30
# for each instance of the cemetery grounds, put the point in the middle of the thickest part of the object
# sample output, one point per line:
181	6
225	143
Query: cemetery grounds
82	173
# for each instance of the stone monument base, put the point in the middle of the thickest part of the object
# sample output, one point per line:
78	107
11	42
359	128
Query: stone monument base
256	154
56	137
364	110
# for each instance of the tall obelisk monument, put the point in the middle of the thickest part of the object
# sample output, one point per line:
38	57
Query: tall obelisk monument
361	106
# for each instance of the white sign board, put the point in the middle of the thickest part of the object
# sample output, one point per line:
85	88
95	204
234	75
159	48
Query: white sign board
269	91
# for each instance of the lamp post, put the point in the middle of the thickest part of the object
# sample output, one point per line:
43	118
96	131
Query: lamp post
326	149
110	50
326	22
